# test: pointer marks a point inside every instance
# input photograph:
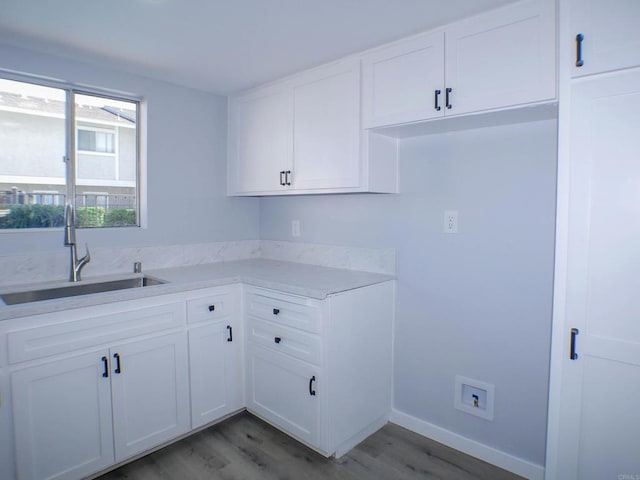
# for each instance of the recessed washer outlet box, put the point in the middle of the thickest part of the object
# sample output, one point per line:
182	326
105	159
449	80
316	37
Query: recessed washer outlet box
474	397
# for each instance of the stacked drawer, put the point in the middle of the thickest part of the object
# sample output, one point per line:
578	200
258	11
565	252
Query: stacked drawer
284	360
286	324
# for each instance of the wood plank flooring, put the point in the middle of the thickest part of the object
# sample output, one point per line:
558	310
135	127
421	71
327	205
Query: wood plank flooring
245	448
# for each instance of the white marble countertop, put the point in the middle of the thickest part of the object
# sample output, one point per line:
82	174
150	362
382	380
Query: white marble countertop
289	277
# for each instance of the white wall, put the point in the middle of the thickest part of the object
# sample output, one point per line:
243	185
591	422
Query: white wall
477	303
186	163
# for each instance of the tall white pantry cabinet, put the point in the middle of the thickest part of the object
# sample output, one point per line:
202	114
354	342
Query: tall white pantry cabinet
594	418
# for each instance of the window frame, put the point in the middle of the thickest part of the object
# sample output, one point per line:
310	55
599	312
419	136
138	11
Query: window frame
71	150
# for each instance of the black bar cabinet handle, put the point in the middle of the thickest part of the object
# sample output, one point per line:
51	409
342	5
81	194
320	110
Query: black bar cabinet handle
281	179
117	357
277	339
230	337
105	363
435	100
212	308
447	98
312	392
287	177
276	311
574	333
579	60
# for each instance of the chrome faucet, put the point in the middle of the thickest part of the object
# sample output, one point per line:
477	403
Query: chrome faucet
70	241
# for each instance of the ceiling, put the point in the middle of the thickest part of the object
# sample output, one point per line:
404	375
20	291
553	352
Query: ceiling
219	46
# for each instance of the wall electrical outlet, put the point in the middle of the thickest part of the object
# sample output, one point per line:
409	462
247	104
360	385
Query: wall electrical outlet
295	228
450	221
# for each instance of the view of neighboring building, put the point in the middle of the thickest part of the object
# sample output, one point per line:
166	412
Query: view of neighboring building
33	145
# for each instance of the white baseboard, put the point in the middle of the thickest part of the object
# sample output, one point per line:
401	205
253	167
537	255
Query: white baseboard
476	449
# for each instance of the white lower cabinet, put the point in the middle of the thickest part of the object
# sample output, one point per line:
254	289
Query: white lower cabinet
215	354
320	370
92	387
150	391
62	418
283	391
216	372
77	415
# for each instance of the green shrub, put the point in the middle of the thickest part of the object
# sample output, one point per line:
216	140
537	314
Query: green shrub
34	216
90	216
49	216
119	217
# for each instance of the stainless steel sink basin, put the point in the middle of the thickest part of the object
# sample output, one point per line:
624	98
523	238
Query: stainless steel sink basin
75	289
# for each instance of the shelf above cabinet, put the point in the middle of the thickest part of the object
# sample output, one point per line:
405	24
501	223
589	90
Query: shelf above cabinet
524	114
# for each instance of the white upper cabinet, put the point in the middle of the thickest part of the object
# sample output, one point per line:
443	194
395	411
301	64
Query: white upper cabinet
609	35
326	135
260	140
303	135
502	58
499	59
403	82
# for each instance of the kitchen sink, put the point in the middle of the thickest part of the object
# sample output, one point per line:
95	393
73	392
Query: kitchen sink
74	289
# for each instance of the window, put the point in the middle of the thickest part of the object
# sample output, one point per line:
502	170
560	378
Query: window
96	141
47	197
98	137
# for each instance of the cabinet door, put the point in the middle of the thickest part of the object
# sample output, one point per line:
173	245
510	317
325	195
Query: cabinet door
611	34
404	83
7	456
279	389
260	141
216	376
327	129
150	393
599	409
62	418
502	58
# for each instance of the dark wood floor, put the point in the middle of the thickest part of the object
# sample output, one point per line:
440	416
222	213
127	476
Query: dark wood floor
245	448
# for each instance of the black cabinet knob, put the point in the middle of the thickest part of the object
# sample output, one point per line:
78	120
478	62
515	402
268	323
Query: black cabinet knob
277	339
276	311
212	308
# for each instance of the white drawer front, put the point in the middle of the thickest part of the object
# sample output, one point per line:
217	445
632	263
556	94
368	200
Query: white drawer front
291	311
92	330
286	340
216	306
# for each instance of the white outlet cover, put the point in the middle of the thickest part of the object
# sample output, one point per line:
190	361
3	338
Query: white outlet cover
450	221
465	385
295	228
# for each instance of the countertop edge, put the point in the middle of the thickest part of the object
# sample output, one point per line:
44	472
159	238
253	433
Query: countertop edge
323	289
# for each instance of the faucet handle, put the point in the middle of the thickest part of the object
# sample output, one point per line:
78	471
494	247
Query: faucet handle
87	257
